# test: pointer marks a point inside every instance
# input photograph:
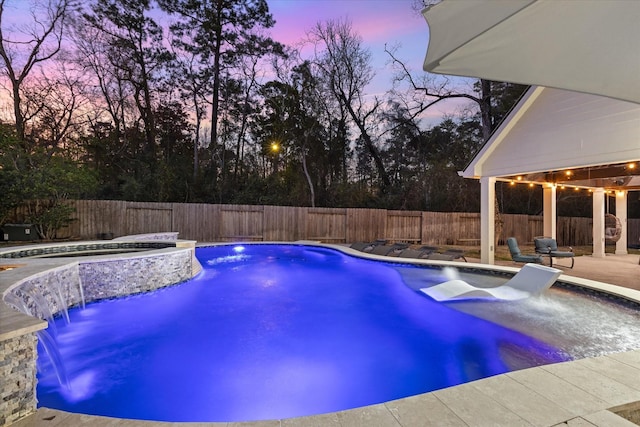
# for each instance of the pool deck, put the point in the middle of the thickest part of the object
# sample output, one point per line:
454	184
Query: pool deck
579	393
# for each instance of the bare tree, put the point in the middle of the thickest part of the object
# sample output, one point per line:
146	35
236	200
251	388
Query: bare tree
109	91
426	90
345	65
135	49
52	103
25	46
193	79
249	81
419	5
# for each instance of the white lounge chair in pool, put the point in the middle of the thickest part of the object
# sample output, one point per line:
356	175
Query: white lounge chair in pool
532	279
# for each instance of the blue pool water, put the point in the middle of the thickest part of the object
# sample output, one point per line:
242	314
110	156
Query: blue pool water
274	331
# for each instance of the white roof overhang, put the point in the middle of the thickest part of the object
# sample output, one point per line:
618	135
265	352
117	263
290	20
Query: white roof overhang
590	46
553	130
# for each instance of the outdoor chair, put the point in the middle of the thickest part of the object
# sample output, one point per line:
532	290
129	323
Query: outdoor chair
447	255
437	256
397	248
380	250
428	249
367	246
455	254
412	253
361	246
549	247
388	250
518	256
532	279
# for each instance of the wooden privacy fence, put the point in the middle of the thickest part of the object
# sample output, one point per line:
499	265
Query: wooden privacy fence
220	223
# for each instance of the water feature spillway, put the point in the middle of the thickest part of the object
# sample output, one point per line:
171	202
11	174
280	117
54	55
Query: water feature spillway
272	331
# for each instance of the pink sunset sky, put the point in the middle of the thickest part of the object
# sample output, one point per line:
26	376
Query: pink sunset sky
393	23
378	22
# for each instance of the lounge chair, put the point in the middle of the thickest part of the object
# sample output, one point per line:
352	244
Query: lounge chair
400	245
412	253
389	250
367	246
518	256
455	254
397	248
428	249
436	256
381	250
532	279
549	247
361	246
448	255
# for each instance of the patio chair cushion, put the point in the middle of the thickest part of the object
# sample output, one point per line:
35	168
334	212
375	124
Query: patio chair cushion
518	256
549	246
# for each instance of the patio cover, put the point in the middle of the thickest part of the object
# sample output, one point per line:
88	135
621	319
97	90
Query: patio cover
554	130
590	46
551	132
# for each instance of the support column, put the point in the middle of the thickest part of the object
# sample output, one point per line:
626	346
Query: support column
487	219
549	210
598	223
621	214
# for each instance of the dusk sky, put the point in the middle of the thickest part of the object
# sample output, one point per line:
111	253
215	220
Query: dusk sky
393	22
378	22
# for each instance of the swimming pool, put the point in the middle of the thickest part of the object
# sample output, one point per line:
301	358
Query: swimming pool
276	331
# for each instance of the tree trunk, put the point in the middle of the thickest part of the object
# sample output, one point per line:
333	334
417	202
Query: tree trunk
215	102
384	177
485	109
196	141
16	110
306	171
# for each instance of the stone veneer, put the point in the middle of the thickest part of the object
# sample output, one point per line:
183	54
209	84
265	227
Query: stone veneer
109	279
55	289
59	287
48	292
18	373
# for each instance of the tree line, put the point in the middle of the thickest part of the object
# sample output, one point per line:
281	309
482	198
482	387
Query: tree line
109	102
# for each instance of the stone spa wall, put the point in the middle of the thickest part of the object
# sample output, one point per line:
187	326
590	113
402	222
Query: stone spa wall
18	373
46	293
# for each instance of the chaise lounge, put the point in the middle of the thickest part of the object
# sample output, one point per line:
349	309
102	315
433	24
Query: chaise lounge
532	279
